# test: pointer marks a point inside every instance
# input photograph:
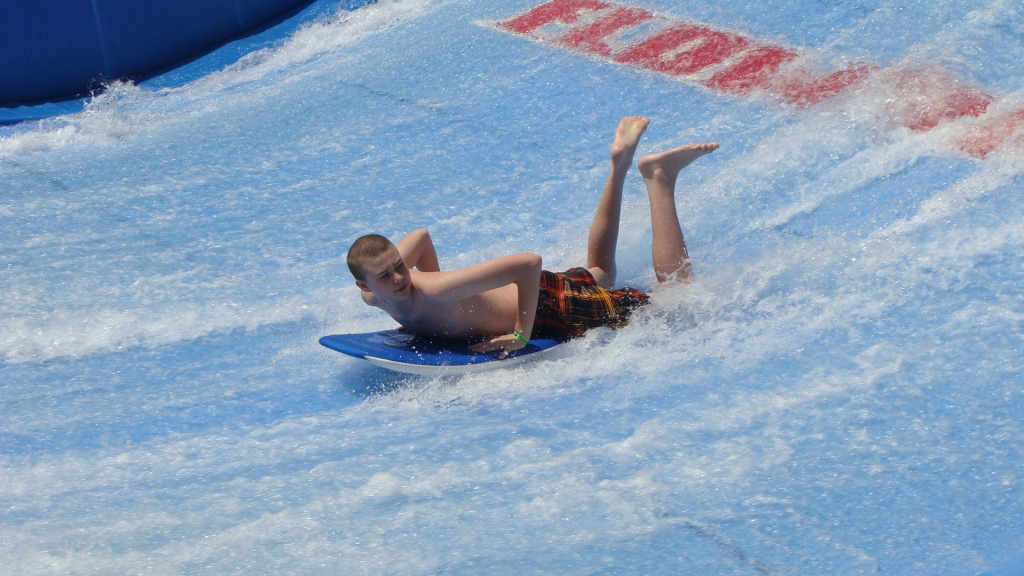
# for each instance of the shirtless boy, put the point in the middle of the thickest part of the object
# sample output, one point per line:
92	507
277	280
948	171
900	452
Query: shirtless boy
506	301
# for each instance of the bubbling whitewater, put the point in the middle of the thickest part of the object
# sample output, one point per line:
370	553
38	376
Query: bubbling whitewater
839	391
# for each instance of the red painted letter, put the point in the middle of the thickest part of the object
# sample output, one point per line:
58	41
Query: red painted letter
590	38
804	91
713	48
753	71
983	138
565	11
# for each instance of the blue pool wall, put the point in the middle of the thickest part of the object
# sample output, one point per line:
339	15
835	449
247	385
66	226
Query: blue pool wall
53	49
269	34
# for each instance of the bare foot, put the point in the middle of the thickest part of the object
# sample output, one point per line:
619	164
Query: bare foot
666	165
627	136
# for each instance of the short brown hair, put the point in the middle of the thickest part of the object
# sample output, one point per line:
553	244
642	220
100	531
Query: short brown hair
364	249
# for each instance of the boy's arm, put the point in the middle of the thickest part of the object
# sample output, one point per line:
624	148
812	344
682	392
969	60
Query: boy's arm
417	250
523	270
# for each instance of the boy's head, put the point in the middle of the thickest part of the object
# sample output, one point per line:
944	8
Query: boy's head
363	251
378	267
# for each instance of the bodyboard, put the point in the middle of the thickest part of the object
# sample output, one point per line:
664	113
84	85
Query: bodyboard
406	352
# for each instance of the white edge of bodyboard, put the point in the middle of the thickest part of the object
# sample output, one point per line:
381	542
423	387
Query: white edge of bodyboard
453	370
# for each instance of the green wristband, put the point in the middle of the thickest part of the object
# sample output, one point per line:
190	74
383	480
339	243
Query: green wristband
520	337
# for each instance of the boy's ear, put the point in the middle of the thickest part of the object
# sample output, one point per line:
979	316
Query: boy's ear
363	286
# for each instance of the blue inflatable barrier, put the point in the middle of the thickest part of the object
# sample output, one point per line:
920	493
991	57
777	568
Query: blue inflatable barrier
53	49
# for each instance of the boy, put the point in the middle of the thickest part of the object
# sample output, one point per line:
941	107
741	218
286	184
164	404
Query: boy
508	300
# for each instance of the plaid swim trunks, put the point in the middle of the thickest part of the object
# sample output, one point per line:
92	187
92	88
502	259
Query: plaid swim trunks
571	302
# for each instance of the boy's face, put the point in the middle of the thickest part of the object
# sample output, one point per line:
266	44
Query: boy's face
387	277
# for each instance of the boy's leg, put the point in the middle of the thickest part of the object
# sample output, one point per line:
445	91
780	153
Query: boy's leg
660	172
604	231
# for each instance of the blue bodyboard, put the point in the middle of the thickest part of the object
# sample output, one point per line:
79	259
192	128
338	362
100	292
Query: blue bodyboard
406	352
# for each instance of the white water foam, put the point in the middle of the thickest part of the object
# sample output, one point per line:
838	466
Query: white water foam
830	395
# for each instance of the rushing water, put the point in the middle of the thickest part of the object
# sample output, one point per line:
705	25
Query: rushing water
839	392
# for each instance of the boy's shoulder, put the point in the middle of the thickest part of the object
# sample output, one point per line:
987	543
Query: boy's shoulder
369	298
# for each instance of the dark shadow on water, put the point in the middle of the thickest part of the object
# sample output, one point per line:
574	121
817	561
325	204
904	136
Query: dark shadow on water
364	380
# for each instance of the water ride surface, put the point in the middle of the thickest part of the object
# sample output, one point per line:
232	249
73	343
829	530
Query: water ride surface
838	391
